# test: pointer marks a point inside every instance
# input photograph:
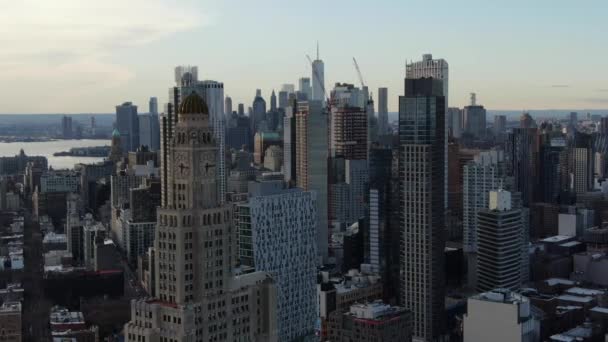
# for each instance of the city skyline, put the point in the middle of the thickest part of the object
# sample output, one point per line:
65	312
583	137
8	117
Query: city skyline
125	51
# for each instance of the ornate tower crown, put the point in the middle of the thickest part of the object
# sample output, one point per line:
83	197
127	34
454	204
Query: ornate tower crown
193	104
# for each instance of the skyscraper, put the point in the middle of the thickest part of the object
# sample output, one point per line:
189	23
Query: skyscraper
383	125
149	131
304	87
198	295
421	170
454	122
482	175
127	124
521	154
500	244
318	79
438	69
153	105
500	125
66	127
277	230
475	118
311	162
228	106
259	113
273	101
283	99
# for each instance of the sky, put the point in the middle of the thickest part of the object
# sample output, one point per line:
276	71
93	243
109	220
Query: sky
84	56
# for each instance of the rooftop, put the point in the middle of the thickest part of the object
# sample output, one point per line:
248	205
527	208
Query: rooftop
579	291
559	281
501	296
55	238
557	239
577	299
61	315
10	307
374	311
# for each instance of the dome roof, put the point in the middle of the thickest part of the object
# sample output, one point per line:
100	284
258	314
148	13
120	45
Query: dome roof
193	104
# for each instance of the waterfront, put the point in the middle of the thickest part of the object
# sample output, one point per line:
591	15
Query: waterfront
47	148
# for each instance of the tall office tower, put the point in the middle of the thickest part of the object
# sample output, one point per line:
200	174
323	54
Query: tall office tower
273	101
289	88
241	109
153	105
228	106
421	172
475	118
581	169
258	117
289	146
348	151
66	127
603	129
191	73
283	99
348	132
149	131
198	296
500	125
304	87
348	191
380	206
311	162
383	125
521	154
573	118
500	239
552	152
318	79
435	68
480	176
454	122
277	230
128	125
526	121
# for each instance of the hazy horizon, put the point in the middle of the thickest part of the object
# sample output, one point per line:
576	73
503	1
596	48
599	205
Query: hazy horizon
92	56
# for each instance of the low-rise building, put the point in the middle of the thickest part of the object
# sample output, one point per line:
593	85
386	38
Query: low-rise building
500	315
369	323
10	322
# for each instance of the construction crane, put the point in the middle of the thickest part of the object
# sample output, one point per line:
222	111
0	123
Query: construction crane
316	74
359	73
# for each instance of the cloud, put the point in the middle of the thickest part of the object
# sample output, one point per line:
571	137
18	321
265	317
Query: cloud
559	86
72	41
602	90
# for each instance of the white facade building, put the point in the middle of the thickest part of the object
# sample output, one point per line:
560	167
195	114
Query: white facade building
480	176
500	316
59	181
277	230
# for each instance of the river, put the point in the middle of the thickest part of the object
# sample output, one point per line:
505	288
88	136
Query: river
47	148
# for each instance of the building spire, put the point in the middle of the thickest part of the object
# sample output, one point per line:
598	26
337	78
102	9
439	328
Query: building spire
317	50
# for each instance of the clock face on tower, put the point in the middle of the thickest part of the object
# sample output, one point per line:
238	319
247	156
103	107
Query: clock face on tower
207	164
181	166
